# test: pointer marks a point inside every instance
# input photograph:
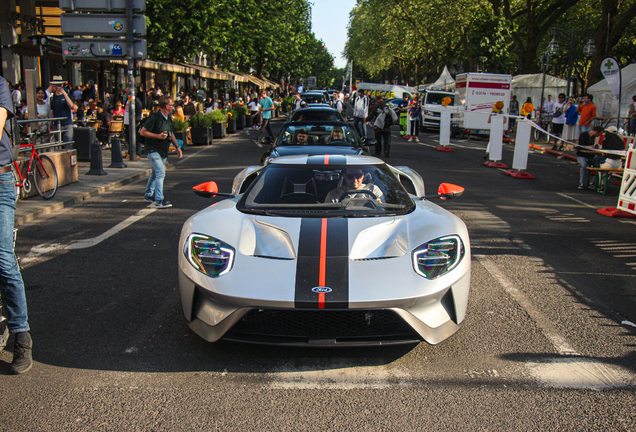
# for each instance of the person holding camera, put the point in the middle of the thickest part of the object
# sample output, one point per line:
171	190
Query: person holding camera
159	133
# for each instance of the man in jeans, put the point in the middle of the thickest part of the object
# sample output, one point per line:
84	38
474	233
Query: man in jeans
267	106
11	284
159	132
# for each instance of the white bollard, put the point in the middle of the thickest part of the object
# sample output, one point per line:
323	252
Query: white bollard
444	127
522	145
496	137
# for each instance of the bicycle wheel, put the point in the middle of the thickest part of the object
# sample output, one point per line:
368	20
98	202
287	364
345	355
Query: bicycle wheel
45	177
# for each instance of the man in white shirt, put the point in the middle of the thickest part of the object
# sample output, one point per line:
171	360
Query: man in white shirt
558	119
549	106
360	112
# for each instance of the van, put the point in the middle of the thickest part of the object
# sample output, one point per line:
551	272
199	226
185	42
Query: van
432	107
388	91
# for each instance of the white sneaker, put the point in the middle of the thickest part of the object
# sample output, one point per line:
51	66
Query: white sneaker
411	139
416	139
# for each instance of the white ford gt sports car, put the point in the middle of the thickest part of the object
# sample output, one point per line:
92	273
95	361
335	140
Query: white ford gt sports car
325	250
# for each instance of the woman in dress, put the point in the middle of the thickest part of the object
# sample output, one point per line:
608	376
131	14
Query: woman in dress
571	129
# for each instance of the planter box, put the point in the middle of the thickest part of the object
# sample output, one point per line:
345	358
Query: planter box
201	136
183	136
240	122
231	125
248	121
218	130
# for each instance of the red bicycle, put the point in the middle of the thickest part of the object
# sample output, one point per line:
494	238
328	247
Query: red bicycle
40	173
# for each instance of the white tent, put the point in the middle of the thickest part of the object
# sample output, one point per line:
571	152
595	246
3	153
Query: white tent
444	82
606	103
525	86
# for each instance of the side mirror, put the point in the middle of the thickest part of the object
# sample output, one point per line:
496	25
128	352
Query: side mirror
449	191
209	190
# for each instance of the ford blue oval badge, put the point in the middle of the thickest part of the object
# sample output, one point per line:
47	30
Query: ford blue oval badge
319	290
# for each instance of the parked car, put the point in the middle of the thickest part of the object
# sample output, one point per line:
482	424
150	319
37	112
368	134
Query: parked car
325	250
314	97
317	113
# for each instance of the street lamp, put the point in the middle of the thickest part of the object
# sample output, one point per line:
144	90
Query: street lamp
575	36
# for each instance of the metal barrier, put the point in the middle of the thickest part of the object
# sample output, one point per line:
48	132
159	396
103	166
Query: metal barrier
57	134
627	196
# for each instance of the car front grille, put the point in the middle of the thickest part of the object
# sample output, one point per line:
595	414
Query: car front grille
323	327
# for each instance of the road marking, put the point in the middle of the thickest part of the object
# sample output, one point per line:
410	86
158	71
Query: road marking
86	243
576	200
571	370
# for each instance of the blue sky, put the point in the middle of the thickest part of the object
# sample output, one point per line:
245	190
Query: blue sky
329	19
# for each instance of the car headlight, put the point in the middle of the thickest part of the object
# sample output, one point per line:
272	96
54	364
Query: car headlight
439	256
209	255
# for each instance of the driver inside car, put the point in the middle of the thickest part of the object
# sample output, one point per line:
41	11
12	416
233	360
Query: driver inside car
354	181
337	134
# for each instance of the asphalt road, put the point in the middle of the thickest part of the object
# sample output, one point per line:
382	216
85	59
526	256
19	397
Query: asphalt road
548	343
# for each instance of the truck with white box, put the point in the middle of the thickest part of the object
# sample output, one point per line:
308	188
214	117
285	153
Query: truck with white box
476	94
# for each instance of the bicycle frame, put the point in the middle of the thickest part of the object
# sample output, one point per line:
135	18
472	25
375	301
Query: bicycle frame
34	155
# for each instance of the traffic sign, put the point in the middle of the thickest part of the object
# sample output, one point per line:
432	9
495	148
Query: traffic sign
101	5
101	49
76	24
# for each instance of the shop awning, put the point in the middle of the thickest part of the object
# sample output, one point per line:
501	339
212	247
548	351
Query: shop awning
210	73
256	81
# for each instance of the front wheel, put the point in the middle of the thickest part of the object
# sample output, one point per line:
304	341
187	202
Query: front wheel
45	177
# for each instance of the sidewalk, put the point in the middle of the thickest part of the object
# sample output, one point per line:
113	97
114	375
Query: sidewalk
88	186
91	185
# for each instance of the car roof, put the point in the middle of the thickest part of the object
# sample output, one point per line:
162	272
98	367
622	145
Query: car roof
326	159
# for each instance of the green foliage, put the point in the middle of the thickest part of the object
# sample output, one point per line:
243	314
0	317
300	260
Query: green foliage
240	110
287	103
216	116
273	38
200	121
179	125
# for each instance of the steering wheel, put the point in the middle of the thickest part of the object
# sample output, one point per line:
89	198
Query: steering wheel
357	191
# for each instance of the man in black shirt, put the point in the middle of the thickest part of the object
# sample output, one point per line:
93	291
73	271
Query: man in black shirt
586	139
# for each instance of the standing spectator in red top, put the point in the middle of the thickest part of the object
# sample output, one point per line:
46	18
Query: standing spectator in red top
587	110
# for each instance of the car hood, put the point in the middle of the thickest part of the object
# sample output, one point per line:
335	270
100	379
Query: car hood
362	238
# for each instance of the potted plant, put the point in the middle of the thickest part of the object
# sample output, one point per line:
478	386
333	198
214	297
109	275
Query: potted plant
241	112
217	120
231	120
200	129
180	129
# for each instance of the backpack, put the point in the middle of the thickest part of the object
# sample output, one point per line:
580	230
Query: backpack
388	117
140	138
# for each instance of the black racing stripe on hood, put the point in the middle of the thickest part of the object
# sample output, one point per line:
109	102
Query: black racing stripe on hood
336	264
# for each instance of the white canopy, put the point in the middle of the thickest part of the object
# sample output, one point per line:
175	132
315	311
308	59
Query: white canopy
606	103
529	86
444	82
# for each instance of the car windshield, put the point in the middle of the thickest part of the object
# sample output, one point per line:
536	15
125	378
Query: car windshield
436	98
313	97
326	191
340	134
